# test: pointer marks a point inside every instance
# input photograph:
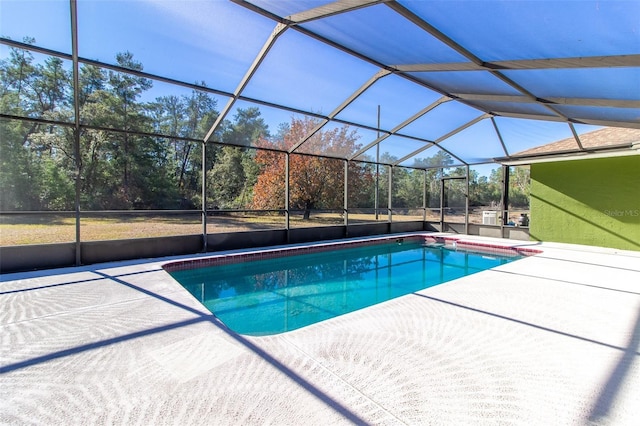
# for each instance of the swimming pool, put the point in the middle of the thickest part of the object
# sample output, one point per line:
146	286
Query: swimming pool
275	293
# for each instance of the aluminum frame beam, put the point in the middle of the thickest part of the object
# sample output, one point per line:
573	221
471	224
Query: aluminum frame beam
73	15
400	126
521	160
576	136
475	63
277	32
380	74
425	26
613	61
442	138
610	123
330	9
499	134
540	117
597	102
592	121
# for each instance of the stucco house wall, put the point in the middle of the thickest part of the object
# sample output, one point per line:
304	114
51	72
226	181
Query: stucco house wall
592	201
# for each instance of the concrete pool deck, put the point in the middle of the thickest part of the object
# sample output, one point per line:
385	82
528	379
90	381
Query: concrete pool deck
548	339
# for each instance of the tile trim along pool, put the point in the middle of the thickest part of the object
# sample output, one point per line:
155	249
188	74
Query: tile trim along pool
449	242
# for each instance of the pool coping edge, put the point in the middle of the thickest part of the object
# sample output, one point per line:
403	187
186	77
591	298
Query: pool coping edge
450	242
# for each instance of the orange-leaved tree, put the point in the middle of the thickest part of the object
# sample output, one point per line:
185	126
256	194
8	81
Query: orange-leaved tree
314	182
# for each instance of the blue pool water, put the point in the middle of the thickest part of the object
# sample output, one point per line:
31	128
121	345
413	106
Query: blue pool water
277	295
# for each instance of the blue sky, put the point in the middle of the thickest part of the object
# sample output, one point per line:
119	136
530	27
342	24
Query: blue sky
216	41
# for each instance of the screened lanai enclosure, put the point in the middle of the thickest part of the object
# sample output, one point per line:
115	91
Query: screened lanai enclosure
148	128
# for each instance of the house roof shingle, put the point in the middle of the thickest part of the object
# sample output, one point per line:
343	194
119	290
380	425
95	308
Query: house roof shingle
608	137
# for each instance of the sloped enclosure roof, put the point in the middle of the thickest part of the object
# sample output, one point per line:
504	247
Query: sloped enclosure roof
416	79
461	76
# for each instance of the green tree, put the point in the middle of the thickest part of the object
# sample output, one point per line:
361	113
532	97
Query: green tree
18	73
361	184
185	117
118	169
227	178
483	191
200	114
407	187
247	129
235	165
435	169
519	186
58	192
129	151
29	151
121	169
19	171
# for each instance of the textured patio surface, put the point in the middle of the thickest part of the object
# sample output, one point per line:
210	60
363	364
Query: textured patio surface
552	339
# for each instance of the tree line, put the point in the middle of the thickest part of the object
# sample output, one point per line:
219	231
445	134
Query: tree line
137	153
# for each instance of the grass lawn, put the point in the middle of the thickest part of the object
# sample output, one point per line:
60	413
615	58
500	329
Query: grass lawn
59	228
32	229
